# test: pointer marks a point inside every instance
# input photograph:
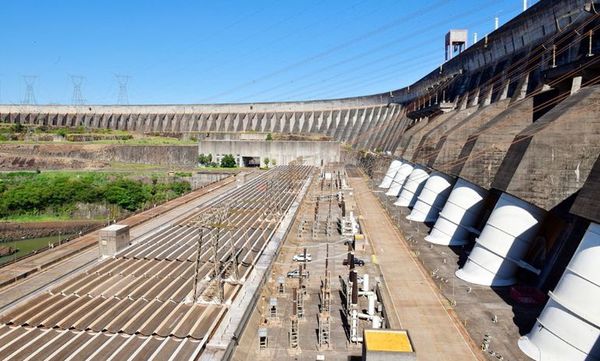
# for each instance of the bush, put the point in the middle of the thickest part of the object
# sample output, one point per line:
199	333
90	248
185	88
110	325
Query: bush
269	136
205	160
18	128
228	161
128	194
24	193
62	132
267	161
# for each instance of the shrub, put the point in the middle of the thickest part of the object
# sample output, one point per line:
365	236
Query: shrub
269	136
267	161
228	161
18	128
205	160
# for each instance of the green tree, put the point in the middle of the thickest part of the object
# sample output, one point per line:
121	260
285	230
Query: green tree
269	136
126	193
205	160
228	161
267	161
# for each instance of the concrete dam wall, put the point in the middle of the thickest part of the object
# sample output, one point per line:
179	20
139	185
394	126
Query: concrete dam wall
358	123
501	157
180	155
497	150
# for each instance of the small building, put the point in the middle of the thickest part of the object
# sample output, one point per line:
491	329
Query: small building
113	239
252	153
387	344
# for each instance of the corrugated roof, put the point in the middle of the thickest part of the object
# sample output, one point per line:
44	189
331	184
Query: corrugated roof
140	304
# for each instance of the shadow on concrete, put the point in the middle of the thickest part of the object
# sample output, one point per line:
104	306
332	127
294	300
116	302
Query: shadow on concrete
554	245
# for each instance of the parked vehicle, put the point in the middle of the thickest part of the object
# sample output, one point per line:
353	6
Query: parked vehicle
296	274
357	262
300	257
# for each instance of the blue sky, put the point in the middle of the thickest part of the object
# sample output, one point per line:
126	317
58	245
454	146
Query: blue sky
229	51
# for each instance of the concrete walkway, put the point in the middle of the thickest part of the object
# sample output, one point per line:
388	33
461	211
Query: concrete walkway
434	332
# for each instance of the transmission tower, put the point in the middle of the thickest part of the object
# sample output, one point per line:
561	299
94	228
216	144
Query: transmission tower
123	80
29	91
77	98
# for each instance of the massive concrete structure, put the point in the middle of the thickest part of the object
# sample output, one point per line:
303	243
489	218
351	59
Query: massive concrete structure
357	121
512	124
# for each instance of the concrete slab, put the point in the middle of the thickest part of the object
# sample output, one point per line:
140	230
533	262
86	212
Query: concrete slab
434	331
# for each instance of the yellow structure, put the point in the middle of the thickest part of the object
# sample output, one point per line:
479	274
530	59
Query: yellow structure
384	344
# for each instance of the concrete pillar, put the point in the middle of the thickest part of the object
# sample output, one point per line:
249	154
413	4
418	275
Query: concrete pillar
576	84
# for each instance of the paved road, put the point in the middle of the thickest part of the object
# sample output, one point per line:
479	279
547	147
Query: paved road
41	280
417	303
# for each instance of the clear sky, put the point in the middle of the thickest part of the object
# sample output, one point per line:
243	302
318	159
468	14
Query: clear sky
196	51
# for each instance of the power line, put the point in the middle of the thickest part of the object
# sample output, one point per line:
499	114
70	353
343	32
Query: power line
29	90
77	98
123	97
336	48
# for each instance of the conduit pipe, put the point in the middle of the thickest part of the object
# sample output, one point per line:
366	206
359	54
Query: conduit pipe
432	198
376	322
504	241
459	215
412	187
569	326
389	175
403	173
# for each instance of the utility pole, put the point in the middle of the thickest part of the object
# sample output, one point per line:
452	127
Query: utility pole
29	91
197	267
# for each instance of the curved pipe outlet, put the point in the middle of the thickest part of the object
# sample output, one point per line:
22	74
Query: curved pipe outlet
504	241
403	173
432	198
569	326
389	175
459	215
412	187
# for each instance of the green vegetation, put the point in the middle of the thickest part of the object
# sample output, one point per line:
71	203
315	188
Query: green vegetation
205	160
267	161
18	128
33	134
228	161
273	162
56	194
269	136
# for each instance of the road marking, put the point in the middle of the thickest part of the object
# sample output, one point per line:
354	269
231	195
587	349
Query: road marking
374	259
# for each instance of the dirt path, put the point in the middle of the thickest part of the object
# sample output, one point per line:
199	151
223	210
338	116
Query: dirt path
420	309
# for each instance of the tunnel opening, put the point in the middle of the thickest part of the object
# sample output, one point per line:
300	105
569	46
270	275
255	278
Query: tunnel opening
251	162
